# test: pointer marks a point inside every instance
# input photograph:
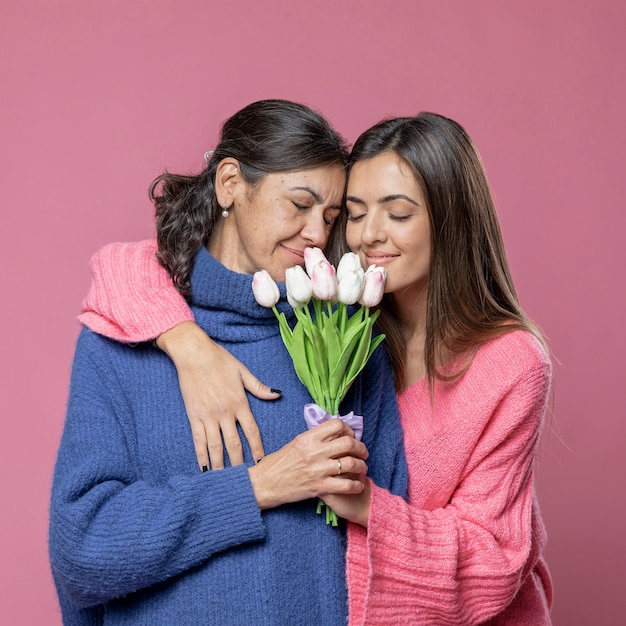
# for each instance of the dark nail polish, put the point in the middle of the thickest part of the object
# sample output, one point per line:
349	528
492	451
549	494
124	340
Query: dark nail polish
259	460
278	391
205	468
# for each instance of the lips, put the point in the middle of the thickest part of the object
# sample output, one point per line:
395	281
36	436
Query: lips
379	258
297	254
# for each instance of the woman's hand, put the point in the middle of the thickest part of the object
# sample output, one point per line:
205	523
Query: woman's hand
324	460
354	508
213	385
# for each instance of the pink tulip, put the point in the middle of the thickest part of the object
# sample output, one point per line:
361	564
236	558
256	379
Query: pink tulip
324	281
265	289
374	286
312	256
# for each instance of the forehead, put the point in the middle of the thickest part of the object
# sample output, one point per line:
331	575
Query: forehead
326	182
382	175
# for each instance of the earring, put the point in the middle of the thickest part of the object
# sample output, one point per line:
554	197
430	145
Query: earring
225	212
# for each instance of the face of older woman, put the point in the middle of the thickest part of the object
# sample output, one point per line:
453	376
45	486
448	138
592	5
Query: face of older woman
271	223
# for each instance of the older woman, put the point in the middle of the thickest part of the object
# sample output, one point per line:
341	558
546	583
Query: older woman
137	534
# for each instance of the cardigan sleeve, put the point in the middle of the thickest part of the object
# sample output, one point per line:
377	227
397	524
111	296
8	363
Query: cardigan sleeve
131	297
114	531
464	561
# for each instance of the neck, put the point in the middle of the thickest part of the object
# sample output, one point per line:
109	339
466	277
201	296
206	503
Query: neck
411	305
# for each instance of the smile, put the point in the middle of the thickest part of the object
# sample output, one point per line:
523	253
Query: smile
297	254
379	258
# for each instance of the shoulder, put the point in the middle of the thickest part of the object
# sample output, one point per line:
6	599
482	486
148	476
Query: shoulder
514	363
514	354
102	352
115	250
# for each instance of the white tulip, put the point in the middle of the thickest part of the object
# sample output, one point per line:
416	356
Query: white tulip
349	263
299	289
351	277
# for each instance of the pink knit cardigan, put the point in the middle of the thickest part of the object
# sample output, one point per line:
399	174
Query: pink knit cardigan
466	548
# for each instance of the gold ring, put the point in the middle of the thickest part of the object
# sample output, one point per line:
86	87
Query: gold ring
339	467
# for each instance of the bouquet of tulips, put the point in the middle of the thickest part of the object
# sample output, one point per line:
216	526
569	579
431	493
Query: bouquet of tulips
328	346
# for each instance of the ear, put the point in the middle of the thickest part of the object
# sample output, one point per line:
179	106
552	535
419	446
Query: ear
227	178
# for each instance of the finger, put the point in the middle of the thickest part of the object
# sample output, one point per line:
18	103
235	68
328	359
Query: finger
346	446
348	466
341	485
257	388
232	442
200	444
252	433
331	429
214	445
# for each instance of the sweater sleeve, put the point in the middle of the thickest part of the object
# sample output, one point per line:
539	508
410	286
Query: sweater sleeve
112	529
131	297
463	561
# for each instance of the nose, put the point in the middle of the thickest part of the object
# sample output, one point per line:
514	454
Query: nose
373	230
315	232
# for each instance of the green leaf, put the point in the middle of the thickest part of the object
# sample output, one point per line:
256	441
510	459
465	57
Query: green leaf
338	373
360	355
299	356
375	343
333	349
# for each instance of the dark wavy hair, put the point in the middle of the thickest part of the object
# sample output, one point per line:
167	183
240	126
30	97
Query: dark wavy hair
471	297
265	137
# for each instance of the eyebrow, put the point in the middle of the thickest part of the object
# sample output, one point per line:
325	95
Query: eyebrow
316	196
384	199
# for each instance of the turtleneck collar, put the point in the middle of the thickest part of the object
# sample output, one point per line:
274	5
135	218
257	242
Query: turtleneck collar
228	297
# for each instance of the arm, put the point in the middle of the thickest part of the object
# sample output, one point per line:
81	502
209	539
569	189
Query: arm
132	299
460	551
114	531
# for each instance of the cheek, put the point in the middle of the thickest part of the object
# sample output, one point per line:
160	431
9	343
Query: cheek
353	236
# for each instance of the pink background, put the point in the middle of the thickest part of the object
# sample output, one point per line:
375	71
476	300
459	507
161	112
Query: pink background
98	97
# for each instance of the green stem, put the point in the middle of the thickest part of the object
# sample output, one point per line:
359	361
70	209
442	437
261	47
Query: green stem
329	309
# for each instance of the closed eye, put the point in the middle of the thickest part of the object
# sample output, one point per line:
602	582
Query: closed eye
355	218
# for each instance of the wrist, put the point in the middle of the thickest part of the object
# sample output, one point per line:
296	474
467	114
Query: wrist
182	341
366	499
261	493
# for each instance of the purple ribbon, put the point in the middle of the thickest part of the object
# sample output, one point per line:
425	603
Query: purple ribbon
314	415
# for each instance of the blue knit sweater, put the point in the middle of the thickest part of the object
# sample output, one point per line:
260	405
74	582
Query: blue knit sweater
139	536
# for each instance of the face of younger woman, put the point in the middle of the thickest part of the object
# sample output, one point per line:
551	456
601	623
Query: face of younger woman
388	222
271	223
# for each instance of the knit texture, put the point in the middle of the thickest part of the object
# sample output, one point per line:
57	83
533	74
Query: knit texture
114	305
139	536
467	549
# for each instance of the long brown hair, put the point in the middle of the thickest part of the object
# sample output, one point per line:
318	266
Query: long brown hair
471	297
265	137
